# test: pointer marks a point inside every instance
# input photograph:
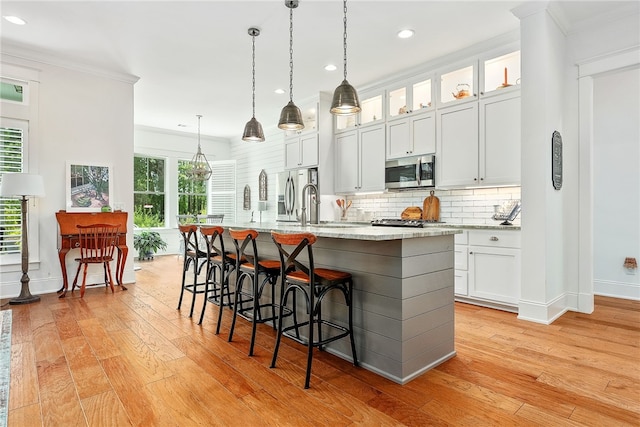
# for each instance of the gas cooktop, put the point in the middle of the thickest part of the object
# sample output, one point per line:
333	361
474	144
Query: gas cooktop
397	222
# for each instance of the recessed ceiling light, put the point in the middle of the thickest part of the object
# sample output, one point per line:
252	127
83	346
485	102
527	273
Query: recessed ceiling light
15	20
279	91
330	67
405	34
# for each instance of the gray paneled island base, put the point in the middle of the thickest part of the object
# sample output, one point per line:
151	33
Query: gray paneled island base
403	291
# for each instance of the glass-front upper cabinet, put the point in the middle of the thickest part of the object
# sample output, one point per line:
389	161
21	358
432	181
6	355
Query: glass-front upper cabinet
371	109
458	84
410	96
371	105
500	73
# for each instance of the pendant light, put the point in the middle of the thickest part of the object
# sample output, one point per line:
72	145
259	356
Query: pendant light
253	128
291	117
345	98
199	168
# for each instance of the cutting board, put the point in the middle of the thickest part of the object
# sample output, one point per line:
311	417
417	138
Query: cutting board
431	208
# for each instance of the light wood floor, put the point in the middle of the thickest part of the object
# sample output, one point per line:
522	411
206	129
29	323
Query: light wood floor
132	359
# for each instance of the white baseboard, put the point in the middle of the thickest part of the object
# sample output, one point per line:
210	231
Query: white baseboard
53	284
623	290
546	313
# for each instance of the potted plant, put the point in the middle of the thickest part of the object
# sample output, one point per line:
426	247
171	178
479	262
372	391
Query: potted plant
147	243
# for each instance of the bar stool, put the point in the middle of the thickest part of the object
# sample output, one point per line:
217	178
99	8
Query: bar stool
314	284
250	266
219	264
192	256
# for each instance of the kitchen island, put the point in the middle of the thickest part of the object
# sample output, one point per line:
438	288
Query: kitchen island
403	311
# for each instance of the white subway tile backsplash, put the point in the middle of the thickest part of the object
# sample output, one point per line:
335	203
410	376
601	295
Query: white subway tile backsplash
470	207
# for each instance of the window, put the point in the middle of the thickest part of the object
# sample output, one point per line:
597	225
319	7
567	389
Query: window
192	195
148	191
13	135
14	91
222	190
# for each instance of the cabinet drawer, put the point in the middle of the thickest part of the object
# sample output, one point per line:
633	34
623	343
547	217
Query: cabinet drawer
498	238
461	283
461	257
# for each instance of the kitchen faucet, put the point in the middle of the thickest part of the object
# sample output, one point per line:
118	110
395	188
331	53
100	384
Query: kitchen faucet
303	215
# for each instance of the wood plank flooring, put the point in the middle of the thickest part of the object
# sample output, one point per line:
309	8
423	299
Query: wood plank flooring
131	358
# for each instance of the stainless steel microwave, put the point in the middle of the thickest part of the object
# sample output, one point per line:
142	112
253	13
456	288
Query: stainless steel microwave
410	172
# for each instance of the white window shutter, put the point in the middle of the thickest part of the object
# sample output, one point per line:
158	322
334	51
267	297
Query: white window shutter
222	190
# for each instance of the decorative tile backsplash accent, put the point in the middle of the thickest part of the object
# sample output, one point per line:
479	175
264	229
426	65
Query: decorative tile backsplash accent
469	207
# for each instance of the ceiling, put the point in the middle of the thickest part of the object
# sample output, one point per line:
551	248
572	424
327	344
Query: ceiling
194	57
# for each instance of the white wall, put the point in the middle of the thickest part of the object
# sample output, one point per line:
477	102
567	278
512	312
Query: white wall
556	255
616	178
86	117
251	158
595	49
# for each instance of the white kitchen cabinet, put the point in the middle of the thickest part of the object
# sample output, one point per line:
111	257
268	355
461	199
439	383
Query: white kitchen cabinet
500	140
478	143
410	96
493	268
458	83
301	151
500	71
468	81
360	160
411	136
313	146
372	112
461	264
457	146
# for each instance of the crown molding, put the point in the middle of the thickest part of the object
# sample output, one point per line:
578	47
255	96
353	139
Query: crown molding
18	54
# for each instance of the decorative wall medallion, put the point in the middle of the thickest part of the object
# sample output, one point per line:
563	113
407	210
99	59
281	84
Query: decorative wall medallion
262	186
556	160
246	205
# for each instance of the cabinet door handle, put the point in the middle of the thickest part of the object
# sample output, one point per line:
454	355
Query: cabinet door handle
470	253
493	238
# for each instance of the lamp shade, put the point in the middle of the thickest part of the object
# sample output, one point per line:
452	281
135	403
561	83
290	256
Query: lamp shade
253	131
345	100
291	117
21	184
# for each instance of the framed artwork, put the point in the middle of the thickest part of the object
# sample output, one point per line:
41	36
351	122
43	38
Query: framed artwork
262	186
89	187
556	160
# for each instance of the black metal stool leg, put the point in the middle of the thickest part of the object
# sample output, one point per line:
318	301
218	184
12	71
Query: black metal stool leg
185	267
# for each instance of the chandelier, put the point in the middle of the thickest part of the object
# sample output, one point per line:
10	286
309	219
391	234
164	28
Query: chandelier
199	168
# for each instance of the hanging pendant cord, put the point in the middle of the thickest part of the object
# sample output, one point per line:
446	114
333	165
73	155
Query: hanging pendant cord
291	54
253	79
199	115
345	39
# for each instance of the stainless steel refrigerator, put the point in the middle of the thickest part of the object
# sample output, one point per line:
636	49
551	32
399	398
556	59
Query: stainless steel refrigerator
289	195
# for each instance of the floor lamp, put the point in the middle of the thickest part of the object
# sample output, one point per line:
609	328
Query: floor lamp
23	185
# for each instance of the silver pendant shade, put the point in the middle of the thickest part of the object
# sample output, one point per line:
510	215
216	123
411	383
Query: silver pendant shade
253	129
291	117
345	98
199	168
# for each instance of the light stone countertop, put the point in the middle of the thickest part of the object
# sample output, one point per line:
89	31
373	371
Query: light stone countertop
353	231
495	226
364	231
